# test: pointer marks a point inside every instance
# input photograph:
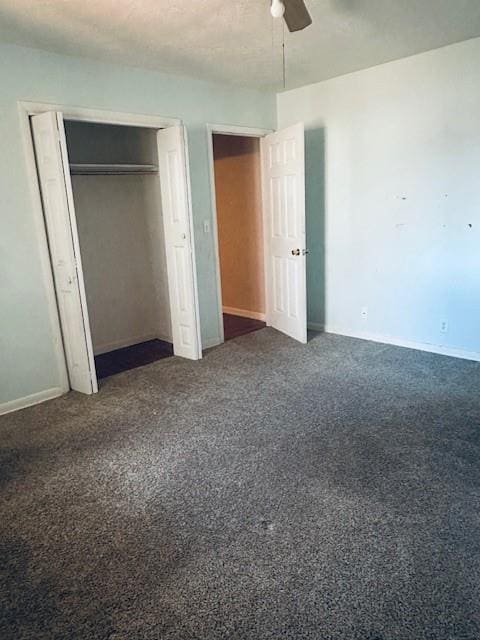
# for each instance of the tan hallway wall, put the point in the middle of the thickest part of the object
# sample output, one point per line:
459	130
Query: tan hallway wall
239	214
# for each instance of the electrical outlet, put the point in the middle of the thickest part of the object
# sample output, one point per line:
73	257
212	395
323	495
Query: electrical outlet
364	312
206	226
444	326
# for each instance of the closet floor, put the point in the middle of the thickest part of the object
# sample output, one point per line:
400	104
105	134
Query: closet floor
108	364
234	326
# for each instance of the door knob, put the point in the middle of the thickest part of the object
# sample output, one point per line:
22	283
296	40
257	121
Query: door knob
295	252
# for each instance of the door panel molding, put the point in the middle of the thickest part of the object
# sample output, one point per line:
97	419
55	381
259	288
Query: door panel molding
283	181
59	211
179	241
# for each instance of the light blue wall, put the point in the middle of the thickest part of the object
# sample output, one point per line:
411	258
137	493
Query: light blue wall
393	202
27	362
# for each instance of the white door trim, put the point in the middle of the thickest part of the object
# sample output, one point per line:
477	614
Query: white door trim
84	114
101	116
232	130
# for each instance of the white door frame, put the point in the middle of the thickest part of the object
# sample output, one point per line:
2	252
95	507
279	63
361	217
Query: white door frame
84	114
230	130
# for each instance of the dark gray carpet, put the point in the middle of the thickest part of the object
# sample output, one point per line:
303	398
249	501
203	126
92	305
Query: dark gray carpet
273	490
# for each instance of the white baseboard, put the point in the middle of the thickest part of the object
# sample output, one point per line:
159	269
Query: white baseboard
409	344
315	326
244	313
128	342
28	401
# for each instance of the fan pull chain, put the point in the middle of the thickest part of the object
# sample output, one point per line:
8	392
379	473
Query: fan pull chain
283	57
272	57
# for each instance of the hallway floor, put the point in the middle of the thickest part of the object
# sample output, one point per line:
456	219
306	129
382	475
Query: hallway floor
235	326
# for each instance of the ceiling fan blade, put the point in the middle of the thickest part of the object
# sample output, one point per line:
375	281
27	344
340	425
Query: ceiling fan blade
296	15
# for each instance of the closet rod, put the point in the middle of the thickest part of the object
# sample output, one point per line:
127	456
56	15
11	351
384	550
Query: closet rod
87	169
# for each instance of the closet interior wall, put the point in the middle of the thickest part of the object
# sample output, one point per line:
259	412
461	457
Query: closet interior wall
121	235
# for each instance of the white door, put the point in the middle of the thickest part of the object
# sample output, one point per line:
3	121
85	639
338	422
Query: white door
283	174
182	285
57	197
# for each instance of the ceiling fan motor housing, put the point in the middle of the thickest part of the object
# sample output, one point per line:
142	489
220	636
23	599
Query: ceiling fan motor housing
294	12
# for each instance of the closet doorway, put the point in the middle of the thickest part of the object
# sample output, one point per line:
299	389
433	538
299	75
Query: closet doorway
117	218
116	192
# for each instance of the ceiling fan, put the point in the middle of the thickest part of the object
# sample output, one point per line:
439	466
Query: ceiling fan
294	12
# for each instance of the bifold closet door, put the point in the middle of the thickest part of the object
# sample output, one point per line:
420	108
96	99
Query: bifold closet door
56	190
172	161
283	174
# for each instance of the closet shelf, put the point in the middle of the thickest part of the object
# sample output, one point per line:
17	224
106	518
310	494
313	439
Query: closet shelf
112	169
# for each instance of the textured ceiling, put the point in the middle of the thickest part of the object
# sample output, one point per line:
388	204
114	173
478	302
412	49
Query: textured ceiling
237	41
